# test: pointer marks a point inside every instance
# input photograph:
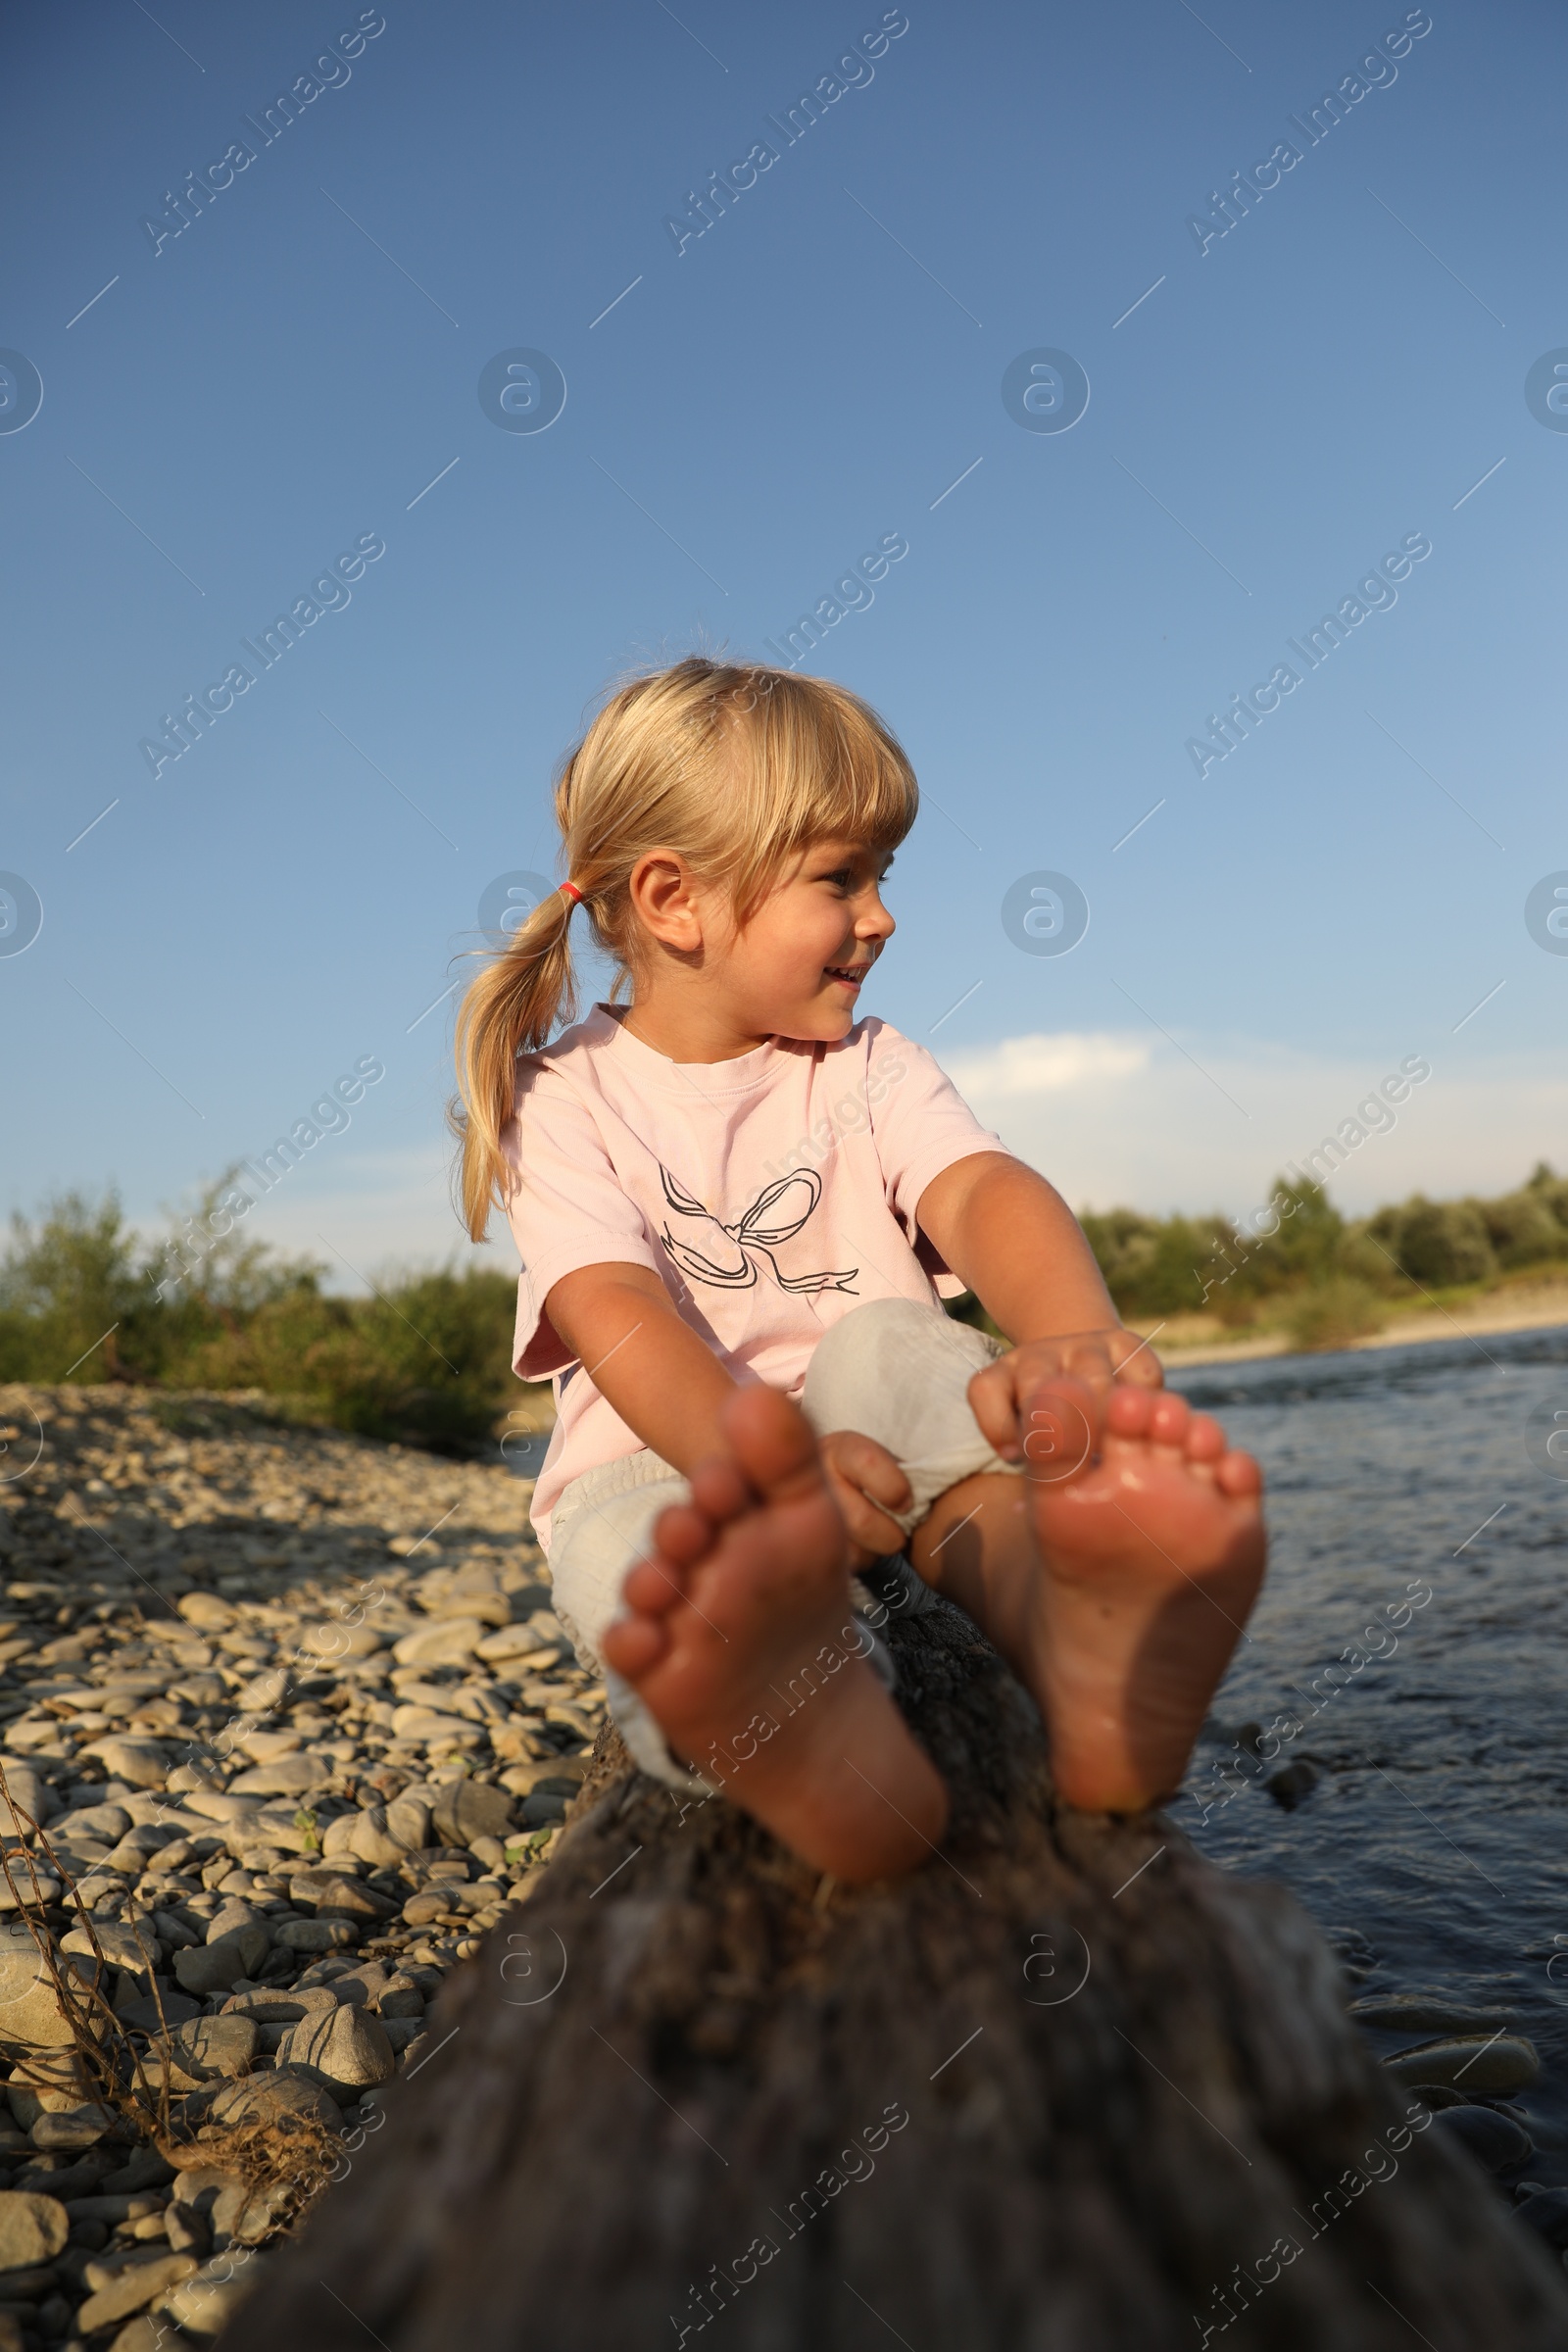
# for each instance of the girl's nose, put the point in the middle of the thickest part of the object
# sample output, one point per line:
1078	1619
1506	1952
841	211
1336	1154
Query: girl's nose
876	922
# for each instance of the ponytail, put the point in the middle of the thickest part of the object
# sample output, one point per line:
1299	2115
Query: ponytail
509	1008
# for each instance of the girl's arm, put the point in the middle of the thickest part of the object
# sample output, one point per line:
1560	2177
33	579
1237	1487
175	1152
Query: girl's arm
664	1381
1012	1239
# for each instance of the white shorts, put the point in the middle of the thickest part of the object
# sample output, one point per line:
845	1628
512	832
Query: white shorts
892	1369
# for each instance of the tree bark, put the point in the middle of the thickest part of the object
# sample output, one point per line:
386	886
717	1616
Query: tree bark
1065	2086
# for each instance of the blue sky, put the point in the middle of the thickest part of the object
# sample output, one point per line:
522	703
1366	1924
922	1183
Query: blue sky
298	371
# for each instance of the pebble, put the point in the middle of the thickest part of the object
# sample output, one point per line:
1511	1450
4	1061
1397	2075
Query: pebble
1425	2013
135	2286
32	2228
346	2045
1496	2142
1476	2063
275	1695
218	1967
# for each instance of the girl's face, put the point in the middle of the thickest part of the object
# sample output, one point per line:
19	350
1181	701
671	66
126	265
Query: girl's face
796	968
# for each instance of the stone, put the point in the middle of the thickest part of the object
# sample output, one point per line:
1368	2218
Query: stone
137	1950
541	1810
291	1776
327	1891
206	1611
209	2046
466	1809
218	1967
331	1935
218	1805
1544	2210
245	2216
1292	1782
1424	2013
230	1916
427	1727
518	1641
451	1641
33	1794
108	1823
431	1903
65	2128
135	2286
1479	2064
32	2228
29	1889
145	2169
281	2008
335	1642
205	2303
1496	2142
263	1692
274	2091
142	1762
556	1775
141	2335
29	2009
346	2045
265	1748
382	1835
141	2016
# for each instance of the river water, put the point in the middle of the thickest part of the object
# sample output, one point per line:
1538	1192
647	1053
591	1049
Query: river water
1437	1830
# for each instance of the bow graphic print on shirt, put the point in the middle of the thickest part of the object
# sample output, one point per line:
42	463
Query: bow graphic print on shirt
773	1217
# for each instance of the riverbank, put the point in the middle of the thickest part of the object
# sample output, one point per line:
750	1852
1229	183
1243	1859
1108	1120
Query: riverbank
1524	1306
298	1724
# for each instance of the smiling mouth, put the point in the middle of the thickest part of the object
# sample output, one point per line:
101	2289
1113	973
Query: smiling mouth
850	974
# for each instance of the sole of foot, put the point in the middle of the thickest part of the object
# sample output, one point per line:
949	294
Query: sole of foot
1151	1532
739	1637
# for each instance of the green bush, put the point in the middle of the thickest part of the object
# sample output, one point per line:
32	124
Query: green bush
1522	1228
1332	1313
427	1359
1438	1243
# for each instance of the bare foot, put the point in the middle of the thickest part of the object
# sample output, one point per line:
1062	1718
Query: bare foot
739	1639
1152	1550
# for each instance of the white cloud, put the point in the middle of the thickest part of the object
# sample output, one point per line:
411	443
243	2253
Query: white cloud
1120	1118
1044	1064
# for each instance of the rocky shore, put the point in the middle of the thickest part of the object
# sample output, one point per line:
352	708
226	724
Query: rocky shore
285	1724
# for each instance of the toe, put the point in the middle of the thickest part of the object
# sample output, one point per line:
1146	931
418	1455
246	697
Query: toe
774	1448
632	1645
1238	1475
652	1586
1169	1419
1205	1439
1129	1411
684	1534
718	1488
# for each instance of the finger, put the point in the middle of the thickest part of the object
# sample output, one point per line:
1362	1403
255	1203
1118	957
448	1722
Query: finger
868	1528
1063	1416
1138	1365
994	1404
872	1468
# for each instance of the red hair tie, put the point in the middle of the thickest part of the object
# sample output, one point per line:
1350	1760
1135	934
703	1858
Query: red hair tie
570	889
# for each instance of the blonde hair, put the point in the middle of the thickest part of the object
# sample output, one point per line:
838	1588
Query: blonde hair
735	767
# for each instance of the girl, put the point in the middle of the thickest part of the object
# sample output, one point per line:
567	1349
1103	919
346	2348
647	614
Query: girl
732	1192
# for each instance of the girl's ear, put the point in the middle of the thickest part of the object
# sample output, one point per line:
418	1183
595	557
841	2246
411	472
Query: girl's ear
665	900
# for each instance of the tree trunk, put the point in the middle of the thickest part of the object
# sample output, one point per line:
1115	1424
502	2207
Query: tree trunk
1065	2086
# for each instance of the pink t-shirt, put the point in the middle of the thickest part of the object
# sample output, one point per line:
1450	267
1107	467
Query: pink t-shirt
771	1194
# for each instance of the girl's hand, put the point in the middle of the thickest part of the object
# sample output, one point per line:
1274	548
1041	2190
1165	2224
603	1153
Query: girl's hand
861	1474
1095	1358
